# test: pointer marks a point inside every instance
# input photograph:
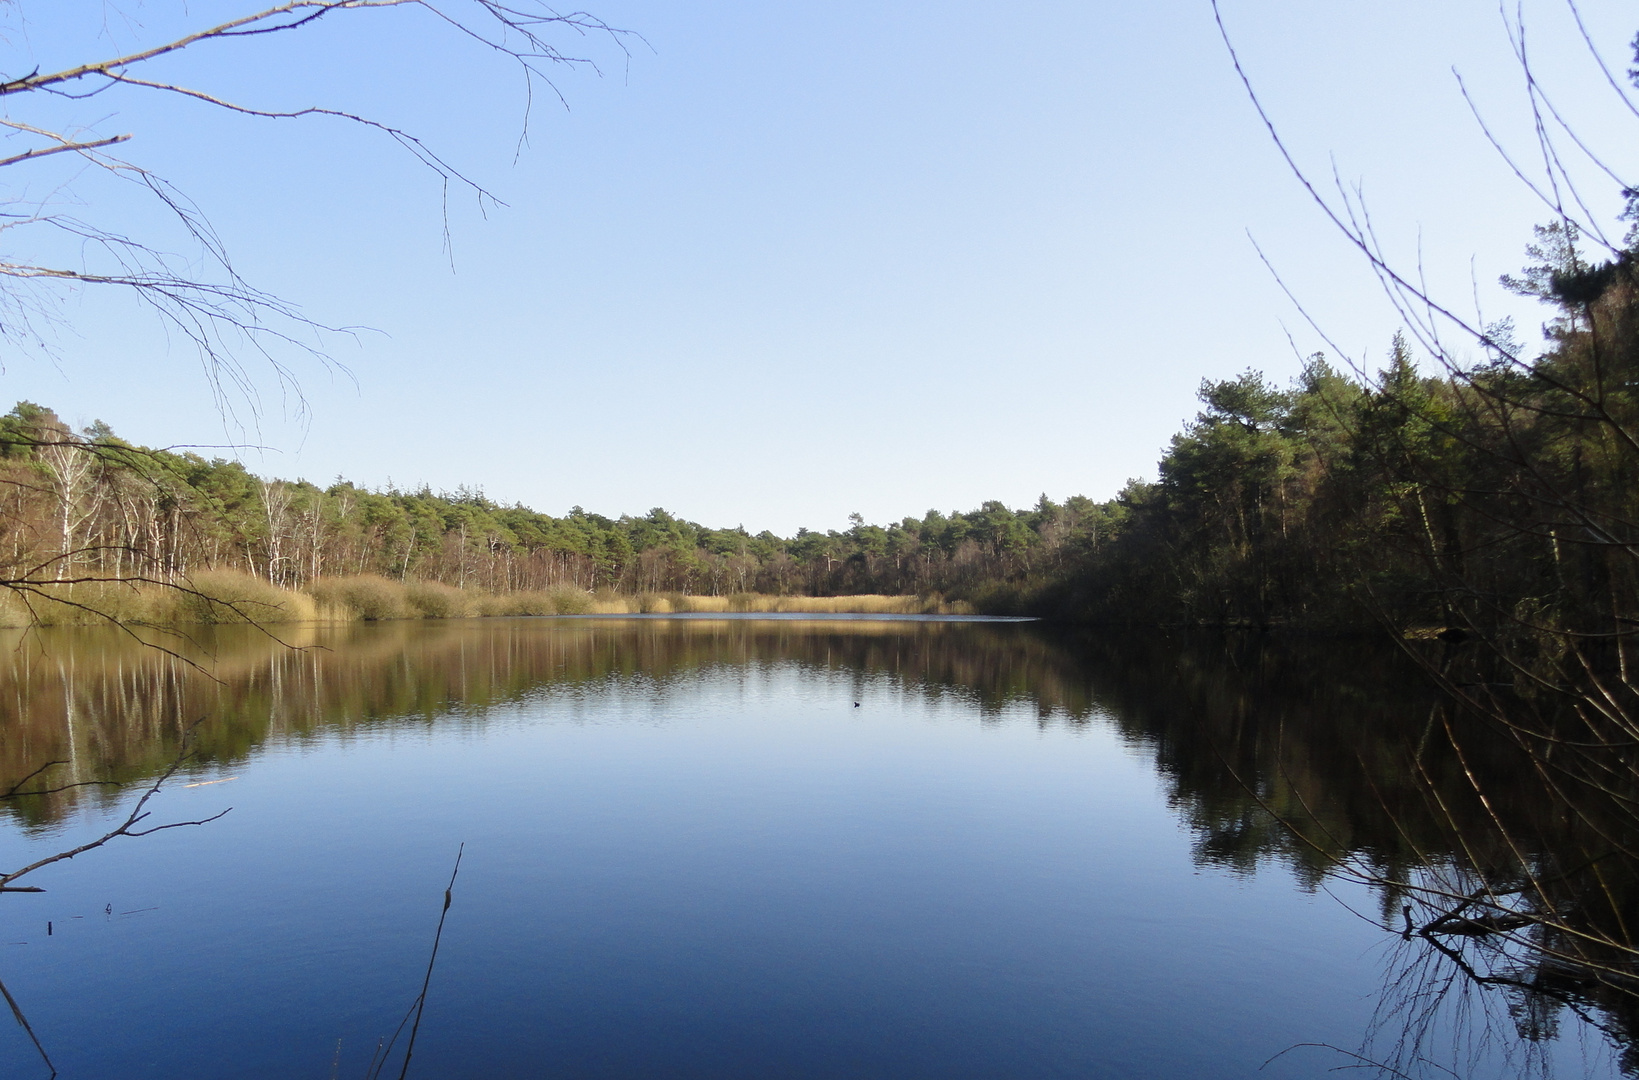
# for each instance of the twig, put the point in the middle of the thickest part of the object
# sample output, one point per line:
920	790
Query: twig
421	1002
138	814
378	1060
17	1012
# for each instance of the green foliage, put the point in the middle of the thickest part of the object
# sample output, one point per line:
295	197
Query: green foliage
162	516
1501	498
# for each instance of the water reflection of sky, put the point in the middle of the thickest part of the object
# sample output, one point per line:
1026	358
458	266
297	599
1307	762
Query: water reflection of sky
718	869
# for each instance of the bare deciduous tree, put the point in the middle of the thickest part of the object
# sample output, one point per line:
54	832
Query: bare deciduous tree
70	467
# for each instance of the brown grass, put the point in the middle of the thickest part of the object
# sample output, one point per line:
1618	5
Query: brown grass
551	602
225	596
371	597
213	596
366	597
435	600
663	603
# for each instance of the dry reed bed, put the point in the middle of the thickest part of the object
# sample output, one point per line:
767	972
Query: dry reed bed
228	597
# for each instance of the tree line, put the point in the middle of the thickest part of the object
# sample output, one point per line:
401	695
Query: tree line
1498	495
87	504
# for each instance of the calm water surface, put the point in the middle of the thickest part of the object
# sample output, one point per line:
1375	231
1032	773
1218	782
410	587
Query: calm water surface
712	848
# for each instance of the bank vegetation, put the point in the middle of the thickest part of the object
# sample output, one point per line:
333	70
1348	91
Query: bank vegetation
92	526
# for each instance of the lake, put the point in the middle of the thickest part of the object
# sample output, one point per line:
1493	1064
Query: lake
731	847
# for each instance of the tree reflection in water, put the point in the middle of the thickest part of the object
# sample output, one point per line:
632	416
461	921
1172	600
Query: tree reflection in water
1512	902
1505	911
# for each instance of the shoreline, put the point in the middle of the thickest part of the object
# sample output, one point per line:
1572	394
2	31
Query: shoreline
219	597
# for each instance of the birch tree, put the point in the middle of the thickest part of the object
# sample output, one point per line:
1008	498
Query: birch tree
71	467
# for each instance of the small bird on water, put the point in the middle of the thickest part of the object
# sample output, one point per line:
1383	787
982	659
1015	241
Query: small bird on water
856	704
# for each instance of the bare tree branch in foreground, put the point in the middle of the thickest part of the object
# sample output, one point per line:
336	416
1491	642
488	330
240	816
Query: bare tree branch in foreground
378	1059
138	814
1550	446
200	296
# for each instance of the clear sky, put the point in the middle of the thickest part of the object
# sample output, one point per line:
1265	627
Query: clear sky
786	262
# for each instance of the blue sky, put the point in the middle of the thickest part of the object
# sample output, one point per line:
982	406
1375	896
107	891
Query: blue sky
783	262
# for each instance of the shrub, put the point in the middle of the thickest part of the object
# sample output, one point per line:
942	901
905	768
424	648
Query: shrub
366	596
518	603
226	596
571	602
210	596
435	600
701	603
563	601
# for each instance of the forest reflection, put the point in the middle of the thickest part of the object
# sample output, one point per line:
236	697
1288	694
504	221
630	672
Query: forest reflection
110	706
1325	757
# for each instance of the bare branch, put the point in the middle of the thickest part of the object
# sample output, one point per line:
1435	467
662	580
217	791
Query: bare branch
214	310
128	827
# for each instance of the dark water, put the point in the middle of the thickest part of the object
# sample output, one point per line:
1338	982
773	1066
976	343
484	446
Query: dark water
688	853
